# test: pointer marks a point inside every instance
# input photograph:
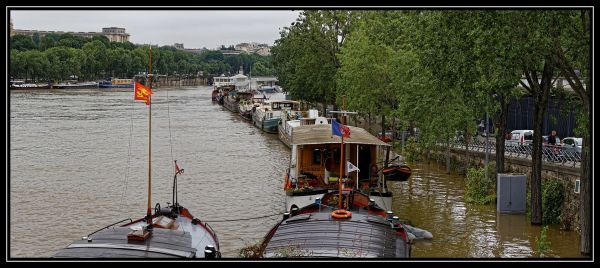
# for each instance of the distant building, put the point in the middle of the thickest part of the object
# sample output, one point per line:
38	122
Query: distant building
253	47
114	34
191	50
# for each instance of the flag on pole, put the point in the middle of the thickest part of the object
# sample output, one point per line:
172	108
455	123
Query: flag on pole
141	92
339	129
177	169
351	167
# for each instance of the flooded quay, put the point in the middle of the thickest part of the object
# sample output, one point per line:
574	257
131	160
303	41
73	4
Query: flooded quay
78	161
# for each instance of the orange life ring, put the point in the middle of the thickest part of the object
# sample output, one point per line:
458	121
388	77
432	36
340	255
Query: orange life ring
341	214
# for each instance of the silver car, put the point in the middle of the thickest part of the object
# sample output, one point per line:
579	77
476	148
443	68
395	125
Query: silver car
572	145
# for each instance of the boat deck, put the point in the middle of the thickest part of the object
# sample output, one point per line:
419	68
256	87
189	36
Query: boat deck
318	235
113	243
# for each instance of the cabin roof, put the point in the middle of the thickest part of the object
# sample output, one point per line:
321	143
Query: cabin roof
318	235
113	243
320	134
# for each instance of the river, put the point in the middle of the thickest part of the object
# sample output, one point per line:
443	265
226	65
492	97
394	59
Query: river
78	162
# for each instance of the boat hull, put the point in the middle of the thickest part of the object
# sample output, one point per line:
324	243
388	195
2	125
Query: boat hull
397	173
284	137
268	125
115	86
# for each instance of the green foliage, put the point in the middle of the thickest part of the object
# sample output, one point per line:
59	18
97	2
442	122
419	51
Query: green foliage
57	57
254	251
480	190
553	194
542	244
305	56
411	150
21	42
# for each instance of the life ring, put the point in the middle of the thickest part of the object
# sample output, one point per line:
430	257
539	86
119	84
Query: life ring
341	214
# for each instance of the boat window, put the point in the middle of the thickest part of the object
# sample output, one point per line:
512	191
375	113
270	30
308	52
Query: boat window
316	156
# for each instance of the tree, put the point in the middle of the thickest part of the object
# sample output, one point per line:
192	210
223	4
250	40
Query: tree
496	65
533	33
366	66
570	50
49	41
21	42
305	55
64	61
36	40
95	59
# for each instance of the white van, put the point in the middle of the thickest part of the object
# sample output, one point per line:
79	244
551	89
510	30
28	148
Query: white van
519	138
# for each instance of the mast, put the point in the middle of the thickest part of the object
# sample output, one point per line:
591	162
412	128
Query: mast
149	82
344	113
341	170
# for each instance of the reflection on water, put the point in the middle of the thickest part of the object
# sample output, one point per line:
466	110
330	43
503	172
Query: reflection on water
70	174
433	200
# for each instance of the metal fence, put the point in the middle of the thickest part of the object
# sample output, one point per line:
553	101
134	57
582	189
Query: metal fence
551	154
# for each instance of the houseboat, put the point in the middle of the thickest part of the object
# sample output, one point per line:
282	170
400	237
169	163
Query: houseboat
266	117
116	83
293	119
232	100
314	167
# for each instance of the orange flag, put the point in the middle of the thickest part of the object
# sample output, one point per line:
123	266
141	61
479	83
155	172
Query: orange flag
141	92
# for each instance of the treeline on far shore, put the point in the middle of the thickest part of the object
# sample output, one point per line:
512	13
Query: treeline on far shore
55	58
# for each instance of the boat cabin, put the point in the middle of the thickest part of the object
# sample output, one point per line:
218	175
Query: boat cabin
315	160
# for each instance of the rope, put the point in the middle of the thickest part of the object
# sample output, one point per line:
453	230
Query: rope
245	219
128	155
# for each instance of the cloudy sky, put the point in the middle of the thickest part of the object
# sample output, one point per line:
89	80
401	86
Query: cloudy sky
195	29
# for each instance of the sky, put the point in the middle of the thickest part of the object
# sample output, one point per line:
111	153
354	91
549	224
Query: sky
195	28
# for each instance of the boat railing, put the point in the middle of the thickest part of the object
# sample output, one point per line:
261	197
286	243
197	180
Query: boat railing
210	229
110	225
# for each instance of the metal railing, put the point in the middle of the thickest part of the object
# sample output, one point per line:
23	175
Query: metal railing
551	154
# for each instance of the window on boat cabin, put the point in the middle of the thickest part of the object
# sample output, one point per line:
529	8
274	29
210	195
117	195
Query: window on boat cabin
316	156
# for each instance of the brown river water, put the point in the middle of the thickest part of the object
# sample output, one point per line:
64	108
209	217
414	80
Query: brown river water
78	162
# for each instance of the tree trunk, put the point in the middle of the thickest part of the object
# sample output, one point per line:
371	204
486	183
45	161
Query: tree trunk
584	196
541	101
500	121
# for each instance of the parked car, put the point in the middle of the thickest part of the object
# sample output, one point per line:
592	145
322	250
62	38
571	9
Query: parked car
519	140
572	145
546	140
